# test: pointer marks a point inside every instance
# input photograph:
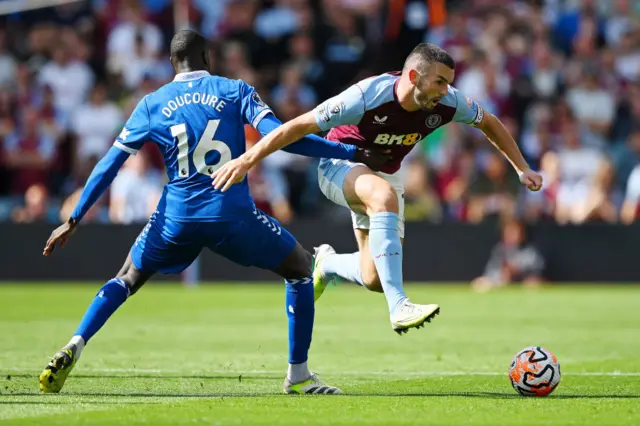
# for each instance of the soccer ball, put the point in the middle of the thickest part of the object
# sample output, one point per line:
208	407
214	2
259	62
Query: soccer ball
534	371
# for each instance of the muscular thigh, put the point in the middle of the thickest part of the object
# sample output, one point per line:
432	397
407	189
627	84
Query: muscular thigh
257	240
351	185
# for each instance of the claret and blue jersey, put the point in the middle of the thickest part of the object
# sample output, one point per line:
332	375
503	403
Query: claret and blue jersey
197	121
369	115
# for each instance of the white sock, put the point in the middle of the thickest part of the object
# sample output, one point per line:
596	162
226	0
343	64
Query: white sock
345	266
78	341
298	372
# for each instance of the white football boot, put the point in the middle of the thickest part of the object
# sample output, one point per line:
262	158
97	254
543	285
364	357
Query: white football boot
320	282
410	315
312	386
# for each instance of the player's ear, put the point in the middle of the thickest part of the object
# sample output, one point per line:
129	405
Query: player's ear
413	76
205	58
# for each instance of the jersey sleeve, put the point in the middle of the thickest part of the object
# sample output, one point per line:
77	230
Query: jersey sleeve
467	110
346	108
253	107
136	130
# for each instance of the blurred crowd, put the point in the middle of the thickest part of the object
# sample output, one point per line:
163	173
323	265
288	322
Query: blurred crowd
563	75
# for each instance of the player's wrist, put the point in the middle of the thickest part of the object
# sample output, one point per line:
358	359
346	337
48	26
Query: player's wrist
72	221
522	170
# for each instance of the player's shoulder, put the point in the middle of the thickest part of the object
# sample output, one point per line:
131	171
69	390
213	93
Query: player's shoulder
378	90
453	97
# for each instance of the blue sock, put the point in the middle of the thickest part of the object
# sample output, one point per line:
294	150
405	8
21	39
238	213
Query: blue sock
109	298
344	266
300	311
386	250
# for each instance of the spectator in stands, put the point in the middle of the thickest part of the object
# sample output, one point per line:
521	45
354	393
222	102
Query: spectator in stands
29	152
578	168
494	191
8	65
298	52
627	62
631	204
483	83
593	107
95	125
513	260
292	86
302	51
212	14
135	191
121	44
69	79
345	52
421	202
36	206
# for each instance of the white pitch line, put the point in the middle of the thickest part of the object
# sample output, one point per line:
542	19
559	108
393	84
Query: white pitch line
340	373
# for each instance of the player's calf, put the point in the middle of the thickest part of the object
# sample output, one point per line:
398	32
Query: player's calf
297	270
108	299
370	276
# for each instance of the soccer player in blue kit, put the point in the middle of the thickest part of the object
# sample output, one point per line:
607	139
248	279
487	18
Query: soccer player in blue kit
198	123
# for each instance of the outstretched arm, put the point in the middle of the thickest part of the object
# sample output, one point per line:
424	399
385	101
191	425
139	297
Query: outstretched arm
469	112
281	137
311	145
129	141
101	177
500	137
345	108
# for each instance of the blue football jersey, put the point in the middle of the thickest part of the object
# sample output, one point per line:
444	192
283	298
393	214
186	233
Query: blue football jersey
197	121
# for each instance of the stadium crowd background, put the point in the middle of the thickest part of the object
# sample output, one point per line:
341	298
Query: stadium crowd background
564	76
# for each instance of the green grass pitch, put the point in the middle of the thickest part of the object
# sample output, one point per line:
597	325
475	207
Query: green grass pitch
217	355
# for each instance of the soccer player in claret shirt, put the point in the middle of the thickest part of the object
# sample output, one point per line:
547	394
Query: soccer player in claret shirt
391	112
198	121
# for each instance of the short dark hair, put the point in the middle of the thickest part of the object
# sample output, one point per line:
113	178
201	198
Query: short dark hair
425	54
188	45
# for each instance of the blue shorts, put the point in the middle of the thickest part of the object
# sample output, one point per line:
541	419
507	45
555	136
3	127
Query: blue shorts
169	246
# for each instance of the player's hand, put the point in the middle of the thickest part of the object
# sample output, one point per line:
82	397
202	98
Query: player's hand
232	172
370	158
532	180
60	235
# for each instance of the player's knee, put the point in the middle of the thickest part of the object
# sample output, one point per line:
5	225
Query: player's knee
383	199
133	278
298	265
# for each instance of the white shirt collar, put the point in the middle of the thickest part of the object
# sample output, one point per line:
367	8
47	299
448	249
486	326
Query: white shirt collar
193	75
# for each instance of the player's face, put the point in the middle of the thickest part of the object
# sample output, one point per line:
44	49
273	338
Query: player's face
432	86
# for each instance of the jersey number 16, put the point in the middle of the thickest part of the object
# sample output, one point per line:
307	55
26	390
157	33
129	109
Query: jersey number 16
205	145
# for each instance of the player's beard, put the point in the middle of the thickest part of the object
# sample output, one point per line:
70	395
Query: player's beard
424	101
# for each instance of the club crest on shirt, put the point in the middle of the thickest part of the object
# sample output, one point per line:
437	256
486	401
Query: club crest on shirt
337	108
123	135
258	100
433	121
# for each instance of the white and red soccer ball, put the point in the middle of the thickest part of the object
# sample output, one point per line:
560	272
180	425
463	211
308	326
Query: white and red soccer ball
534	371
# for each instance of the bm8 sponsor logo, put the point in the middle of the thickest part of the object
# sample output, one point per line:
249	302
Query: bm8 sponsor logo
389	139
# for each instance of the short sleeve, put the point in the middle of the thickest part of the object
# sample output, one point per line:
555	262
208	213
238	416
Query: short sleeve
253	107
136	130
467	110
346	108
